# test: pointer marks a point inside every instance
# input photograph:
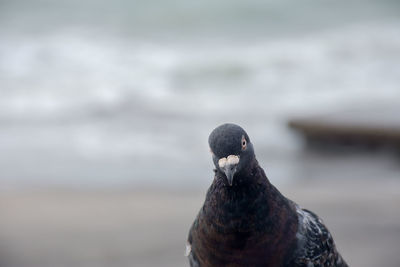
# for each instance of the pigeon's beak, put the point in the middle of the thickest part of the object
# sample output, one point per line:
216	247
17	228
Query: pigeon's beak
230	172
228	166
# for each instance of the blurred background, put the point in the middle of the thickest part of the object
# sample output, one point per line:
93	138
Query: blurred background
106	107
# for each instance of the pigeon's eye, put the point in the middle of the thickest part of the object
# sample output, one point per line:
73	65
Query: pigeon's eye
244	143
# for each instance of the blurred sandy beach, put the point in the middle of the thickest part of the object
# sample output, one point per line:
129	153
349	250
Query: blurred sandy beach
57	228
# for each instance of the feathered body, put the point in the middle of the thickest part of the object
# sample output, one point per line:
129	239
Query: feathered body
250	223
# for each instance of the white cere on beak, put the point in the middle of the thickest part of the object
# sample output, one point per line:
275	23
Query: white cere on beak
222	162
188	249
230	160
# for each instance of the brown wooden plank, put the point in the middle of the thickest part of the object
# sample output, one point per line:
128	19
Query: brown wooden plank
351	128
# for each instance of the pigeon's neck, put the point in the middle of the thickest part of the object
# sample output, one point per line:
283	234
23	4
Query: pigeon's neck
252	177
248	217
251	196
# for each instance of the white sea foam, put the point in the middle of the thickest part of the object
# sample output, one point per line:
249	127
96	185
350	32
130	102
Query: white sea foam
129	102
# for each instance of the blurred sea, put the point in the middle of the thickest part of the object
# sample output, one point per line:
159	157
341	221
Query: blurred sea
125	93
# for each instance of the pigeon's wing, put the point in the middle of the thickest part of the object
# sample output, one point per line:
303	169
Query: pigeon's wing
189	252
315	244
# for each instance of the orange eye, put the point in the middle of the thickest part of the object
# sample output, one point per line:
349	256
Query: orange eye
244	143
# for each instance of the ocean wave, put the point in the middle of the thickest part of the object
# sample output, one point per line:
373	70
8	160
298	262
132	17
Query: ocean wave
126	105
62	75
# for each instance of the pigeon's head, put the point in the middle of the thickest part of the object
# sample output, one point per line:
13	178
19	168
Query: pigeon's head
231	149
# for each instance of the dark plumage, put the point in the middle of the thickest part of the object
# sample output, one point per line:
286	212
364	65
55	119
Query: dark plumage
246	221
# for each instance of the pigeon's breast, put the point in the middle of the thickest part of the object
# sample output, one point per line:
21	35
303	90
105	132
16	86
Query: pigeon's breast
242	232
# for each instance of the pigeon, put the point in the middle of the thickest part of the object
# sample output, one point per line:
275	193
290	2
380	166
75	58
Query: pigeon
246	221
